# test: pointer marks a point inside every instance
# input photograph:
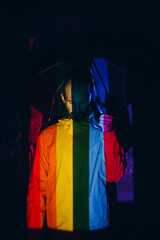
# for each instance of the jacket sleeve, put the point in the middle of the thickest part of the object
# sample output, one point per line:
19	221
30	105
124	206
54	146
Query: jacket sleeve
36	196
115	162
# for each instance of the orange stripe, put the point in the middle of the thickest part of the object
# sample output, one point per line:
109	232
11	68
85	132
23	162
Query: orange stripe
51	201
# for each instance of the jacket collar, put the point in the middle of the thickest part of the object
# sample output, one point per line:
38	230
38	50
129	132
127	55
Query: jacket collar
69	124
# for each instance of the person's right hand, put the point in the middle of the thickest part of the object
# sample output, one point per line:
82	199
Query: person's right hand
105	121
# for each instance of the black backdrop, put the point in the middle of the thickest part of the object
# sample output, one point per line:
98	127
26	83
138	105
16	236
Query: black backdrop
130	34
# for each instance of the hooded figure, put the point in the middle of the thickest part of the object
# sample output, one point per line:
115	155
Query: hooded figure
74	160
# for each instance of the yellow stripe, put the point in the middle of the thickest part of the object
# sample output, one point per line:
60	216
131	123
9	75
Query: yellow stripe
64	175
72	176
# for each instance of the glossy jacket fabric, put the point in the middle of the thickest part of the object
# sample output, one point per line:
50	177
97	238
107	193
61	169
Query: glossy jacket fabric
72	165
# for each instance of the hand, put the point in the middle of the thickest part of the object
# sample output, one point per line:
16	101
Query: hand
105	121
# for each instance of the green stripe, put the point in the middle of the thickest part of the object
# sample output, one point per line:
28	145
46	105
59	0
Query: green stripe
81	175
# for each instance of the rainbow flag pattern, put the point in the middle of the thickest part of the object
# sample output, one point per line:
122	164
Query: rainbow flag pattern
72	165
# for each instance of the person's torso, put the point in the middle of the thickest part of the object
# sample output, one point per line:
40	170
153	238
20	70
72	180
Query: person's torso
76	190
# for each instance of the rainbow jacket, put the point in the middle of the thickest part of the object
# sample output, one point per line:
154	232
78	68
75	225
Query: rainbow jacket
72	165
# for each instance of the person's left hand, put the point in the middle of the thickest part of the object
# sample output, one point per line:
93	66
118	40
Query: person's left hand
105	121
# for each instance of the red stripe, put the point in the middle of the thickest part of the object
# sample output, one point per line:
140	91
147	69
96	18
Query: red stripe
114	162
33	198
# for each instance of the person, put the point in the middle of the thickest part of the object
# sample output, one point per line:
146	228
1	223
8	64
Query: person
74	160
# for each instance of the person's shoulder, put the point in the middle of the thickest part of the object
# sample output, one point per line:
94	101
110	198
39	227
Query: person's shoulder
48	132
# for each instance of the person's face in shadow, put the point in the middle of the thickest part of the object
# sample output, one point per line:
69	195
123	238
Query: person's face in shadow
76	100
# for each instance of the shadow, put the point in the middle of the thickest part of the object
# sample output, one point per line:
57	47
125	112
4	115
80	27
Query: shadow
50	234
124	128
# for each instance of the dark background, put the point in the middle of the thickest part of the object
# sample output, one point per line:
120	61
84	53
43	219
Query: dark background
120	30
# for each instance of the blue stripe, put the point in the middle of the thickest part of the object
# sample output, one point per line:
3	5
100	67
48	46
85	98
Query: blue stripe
97	181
